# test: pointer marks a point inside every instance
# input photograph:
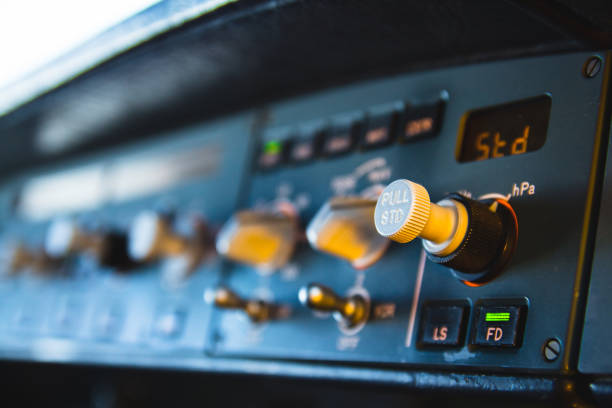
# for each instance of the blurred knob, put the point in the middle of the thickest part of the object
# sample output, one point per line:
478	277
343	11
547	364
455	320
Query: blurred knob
151	238
64	237
262	239
352	310
257	310
17	257
343	227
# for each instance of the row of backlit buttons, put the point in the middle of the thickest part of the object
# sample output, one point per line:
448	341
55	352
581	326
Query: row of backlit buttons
496	323
377	131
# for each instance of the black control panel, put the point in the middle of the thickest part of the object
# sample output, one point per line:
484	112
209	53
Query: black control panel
255	236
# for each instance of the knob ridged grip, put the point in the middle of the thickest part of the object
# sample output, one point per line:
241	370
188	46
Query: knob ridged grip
402	211
483	240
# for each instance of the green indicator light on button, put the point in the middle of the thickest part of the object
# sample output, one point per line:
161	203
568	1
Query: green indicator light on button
272	147
497	317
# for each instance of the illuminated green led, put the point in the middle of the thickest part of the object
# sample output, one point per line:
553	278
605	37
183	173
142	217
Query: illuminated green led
497	317
272	147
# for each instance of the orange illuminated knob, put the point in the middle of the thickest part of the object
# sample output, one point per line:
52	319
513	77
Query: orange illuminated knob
262	239
343	228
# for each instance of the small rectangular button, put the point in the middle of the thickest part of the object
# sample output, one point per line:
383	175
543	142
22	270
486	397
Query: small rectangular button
108	321
270	154
421	121
302	150
340	140
69	315
443	324
498	324
381	130
169	323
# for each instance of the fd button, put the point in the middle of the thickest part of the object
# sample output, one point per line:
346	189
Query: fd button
443	324
498	324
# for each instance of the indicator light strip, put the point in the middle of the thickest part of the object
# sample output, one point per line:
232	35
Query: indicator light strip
497	317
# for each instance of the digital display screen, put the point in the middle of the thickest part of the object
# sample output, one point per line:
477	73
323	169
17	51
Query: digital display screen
504	130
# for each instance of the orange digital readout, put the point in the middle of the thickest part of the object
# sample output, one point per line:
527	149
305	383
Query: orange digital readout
504	130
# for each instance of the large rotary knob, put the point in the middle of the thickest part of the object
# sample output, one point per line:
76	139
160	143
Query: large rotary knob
474	238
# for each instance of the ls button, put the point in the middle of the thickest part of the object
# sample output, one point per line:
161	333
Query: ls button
498	324
443	324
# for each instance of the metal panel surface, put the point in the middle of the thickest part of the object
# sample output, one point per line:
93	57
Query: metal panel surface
543	269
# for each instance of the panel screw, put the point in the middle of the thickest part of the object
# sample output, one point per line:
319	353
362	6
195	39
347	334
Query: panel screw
592	66
551	349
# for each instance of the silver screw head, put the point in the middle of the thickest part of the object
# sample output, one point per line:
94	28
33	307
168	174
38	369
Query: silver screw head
551	350
592	66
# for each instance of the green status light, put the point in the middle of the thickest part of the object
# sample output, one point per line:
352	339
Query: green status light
497	317
272	147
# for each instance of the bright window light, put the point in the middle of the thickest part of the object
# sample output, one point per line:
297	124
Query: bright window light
34	32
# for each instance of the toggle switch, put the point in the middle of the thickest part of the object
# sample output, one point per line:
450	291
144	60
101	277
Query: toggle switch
343	228
262	239
64	238
256	309
352	311
151	238
17	257
474	238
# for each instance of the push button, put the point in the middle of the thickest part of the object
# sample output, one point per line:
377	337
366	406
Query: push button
169	323
302	150
443	324
380	130
340	140
498	324
270	155
421	121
